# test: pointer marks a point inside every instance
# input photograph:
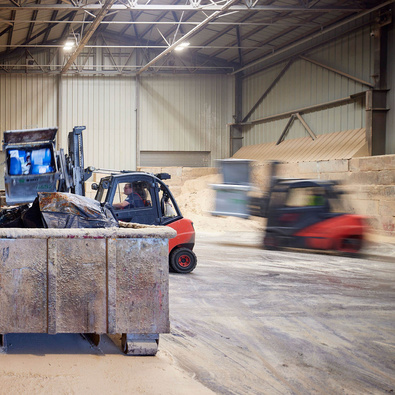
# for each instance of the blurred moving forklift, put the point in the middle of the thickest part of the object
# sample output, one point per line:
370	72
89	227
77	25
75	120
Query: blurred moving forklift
301	213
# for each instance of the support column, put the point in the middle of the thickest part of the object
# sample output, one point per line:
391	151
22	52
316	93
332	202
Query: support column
137	126
59	106
236	138
137	114
376	99
236	132
376	114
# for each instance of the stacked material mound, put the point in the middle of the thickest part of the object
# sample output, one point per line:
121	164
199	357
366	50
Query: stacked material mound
340	145
196	201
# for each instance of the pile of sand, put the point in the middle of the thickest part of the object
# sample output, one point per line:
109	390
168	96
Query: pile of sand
196	201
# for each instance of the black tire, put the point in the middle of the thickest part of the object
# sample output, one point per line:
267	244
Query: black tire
270	243
351	245
182	260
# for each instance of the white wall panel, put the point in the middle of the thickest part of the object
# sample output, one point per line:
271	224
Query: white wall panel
186	113
305	84
107	107
27	101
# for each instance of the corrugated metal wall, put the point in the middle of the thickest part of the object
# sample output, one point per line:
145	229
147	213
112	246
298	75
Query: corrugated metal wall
27	101
177	114
186	113
305	84
107	107
180	114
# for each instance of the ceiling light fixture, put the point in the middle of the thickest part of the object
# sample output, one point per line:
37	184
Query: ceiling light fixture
181	46
70	43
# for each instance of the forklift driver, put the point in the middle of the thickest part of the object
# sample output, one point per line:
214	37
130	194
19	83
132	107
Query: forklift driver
132	200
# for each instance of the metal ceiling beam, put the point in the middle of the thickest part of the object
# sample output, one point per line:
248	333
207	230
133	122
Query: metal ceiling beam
316	35
126	69
186	36
66	30
263	96
99	17
227	30
53	20
149	28
31	25
289	29
171	31
173	23
44	31
199	57
305	50
270	39
68	15
143	46
315	107
7	29
15	3
9	39
342	73
176	7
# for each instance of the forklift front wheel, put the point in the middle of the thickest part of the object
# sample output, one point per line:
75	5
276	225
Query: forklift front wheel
270	243
182	260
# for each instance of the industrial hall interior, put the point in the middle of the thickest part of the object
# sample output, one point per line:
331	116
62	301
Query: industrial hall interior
206	182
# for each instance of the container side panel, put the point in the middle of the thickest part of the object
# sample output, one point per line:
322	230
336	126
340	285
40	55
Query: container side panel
142	294
77	286
23	286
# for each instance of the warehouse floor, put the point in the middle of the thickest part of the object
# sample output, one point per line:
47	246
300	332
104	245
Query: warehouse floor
246	321
250	321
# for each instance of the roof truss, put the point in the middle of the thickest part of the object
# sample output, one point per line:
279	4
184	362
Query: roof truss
137	36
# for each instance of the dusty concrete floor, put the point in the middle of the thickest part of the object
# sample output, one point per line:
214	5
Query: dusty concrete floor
250	321
246	321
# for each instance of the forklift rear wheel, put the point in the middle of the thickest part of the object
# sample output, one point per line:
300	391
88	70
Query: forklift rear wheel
350	244
182	260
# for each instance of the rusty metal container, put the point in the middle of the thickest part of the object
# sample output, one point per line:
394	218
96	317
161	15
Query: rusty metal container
92	281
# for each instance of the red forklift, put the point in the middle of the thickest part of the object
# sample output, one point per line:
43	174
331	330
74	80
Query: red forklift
309	214
154	205
301	213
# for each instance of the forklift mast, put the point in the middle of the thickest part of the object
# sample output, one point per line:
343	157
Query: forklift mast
72	165
76	157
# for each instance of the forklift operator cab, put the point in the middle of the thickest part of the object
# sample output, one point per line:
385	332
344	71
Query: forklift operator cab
299	204
148	201
310	214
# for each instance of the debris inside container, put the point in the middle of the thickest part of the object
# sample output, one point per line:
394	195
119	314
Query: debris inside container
59	210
